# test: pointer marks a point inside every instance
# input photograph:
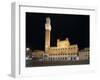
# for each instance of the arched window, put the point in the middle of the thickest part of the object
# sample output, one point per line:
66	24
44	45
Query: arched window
65	57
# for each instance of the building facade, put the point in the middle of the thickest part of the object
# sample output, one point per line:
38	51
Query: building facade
84	54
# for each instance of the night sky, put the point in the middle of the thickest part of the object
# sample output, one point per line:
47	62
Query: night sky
75	27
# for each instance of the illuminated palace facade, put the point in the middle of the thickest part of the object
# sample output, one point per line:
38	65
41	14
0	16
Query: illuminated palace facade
63	51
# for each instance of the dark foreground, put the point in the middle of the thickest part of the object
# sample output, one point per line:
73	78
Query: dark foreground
54	63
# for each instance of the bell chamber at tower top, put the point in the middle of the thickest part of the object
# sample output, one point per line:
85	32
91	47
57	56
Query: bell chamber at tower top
47	24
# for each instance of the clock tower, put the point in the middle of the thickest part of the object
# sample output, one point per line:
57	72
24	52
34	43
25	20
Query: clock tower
47	33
